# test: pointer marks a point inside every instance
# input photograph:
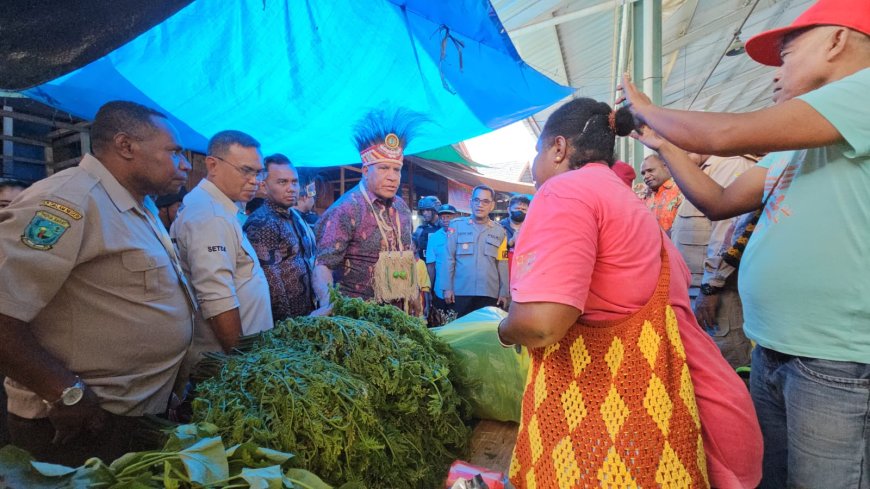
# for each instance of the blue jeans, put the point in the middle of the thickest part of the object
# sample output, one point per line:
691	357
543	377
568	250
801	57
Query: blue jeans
815	419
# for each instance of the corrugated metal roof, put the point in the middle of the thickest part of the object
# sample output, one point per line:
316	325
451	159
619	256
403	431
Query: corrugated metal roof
579	50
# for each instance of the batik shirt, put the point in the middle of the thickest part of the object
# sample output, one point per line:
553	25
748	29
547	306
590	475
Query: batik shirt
285	248
664	203
349	242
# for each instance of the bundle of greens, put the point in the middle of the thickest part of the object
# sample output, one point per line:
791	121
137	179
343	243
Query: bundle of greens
365	398
193	457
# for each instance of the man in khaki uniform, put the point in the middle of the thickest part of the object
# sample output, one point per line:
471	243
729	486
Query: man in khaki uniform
95	315
230	285
713	290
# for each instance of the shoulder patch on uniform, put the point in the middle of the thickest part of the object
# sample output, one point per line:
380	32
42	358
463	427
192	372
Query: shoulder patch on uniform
44	230
62	208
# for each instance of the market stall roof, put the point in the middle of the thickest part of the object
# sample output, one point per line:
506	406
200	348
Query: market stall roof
575	43
298	75
470	177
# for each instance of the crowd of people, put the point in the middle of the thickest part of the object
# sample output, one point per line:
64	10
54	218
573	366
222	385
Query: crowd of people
117	279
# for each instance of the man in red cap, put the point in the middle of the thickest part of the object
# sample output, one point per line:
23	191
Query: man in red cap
804	273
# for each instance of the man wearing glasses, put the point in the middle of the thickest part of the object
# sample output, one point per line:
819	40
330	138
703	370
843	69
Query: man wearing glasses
230	285
476	265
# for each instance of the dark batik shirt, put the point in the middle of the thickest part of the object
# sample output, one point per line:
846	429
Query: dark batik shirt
349	242
285	248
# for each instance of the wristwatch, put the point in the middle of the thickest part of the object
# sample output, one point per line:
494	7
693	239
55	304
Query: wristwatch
708	289
71	395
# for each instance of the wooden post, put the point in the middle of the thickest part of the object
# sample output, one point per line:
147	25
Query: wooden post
49	160
411	194
7	145
85	139
341	181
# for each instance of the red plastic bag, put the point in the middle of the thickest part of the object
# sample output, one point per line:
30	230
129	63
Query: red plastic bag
464	470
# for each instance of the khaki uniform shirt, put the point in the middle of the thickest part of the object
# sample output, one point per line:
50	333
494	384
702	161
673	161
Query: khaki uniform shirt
81	263
476	259
221	263
697	238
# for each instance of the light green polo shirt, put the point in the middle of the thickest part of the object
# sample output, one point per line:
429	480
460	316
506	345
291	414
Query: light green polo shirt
805	275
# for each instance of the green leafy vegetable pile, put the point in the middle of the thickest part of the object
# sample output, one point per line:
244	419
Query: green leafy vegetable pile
365	396
193	457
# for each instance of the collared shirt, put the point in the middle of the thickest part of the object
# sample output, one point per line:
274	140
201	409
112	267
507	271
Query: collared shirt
349	242
221	263
509	230
436	252
285	247
665	202
83	266
476	259
699	239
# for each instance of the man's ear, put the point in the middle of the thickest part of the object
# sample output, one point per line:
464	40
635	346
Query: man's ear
211	164
124	145
837	41
365	170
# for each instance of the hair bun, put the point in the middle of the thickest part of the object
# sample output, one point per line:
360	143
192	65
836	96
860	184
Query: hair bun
624	122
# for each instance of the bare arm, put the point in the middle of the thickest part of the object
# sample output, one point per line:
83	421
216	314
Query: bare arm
227	327
716	202
23	359
793	124
537	324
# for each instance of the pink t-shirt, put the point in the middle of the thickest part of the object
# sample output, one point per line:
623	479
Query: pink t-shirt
589	242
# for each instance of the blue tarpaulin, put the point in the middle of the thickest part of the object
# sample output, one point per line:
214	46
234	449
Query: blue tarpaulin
298	74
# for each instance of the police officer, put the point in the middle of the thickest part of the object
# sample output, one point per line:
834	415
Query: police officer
476	261
428	208
95	315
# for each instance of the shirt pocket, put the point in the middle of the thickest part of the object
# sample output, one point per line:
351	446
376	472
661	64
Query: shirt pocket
492	244
150	276
465	244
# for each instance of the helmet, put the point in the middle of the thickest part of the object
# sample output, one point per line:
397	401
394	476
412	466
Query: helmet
447	209
430	202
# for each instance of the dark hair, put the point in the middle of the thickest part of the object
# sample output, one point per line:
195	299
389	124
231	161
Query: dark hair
522	199
484	187
122	116
220	143
254	204
276	159
374	127
586	124
12	183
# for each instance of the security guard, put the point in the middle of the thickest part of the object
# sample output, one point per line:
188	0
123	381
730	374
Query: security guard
428	208
476	264
95	314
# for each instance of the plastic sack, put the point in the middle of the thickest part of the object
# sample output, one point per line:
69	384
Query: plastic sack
498	374
463	471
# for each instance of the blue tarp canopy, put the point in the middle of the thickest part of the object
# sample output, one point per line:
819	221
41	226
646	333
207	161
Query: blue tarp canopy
298	74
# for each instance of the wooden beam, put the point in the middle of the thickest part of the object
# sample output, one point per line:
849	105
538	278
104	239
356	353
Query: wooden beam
341	180
20	140
49	160
21	116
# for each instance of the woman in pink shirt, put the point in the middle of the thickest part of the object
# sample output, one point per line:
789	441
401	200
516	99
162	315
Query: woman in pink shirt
624	385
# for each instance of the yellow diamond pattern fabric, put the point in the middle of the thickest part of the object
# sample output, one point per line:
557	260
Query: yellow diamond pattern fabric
612	405
671	473
573	405
649	343
614	355
658	404
614	474
579	356
614	412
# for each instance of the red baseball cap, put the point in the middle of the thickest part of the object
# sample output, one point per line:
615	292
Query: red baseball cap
855	14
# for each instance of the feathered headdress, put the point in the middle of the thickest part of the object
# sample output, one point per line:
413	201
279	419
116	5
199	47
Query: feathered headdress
380	136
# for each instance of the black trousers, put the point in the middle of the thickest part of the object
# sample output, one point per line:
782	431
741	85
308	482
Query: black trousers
469	303
122	434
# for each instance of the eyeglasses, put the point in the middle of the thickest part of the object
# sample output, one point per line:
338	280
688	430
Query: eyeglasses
477	201
246	171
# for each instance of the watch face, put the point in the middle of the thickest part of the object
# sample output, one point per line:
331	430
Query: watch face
72	395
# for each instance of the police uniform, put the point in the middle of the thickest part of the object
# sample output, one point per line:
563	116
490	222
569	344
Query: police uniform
94	275
476	264
221	263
